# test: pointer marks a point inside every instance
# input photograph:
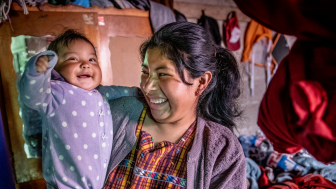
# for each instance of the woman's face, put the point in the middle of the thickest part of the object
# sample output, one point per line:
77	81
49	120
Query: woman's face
169	99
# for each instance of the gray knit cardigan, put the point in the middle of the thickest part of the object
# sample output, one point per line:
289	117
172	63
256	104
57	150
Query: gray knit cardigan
216	159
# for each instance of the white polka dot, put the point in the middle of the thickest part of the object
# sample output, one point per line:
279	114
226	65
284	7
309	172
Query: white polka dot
67	147
48	90
52	115
64	124
89	185
105	165
58	82
126	91
60	157
85	146
109	112
84	124
97	177
90	94
100	103
41	90
32	82
49	79
101	124
111	132
83	103
27	97
107	95
64	101
95	156
74	113
48	171
104	144
72	168
71	92
79	157
83	179
45	104
76	135
94	135
74	87
91	113
55	136
90	168
77	187
45	138
38	104
53	83
64	179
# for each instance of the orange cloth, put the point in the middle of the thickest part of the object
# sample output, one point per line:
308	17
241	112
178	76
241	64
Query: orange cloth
254	33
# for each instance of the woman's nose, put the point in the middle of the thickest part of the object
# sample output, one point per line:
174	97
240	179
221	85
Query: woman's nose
85	65
150	85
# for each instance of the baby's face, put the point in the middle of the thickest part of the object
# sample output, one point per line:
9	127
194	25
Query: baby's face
78	64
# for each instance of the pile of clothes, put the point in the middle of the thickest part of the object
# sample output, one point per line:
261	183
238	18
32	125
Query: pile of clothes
267	168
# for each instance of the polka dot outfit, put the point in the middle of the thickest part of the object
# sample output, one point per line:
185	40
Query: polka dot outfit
76	126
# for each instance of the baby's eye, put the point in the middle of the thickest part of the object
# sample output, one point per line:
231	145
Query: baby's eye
92	60
72	58
144	72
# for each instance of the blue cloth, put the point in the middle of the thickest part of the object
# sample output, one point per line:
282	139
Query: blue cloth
309	164
253	173
6	173
84	3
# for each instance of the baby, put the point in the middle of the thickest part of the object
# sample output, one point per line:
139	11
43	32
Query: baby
62	84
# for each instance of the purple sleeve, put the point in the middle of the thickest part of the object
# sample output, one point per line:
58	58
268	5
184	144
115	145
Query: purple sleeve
34	88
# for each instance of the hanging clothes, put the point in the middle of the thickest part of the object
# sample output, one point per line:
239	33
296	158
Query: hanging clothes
232	32
257	46
299	107
179	16
167	3
159	14
211	26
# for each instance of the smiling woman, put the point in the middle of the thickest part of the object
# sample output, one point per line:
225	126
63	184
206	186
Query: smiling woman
180	134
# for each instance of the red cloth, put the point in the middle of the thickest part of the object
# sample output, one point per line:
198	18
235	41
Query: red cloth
299	107
311	181
263	179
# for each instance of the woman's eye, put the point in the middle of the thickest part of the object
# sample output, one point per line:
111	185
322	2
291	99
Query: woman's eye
162	74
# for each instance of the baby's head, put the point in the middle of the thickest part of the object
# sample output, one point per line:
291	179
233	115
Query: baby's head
77	60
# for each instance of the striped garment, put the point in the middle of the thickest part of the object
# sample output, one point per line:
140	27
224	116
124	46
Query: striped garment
149	166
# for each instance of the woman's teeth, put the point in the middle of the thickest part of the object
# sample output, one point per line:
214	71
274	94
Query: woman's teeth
158	101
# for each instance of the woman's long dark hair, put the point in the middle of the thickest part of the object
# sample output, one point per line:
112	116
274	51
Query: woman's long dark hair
191	48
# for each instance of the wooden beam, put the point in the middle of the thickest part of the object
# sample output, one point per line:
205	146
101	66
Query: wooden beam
77	8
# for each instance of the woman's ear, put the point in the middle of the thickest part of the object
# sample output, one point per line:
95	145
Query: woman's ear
204	80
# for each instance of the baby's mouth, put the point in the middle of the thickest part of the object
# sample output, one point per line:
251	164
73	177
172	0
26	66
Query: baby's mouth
84	76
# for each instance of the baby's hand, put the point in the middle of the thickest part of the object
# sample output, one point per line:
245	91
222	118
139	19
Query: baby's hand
42	64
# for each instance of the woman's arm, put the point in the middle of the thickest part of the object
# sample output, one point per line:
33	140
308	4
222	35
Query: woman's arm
229	174
113	91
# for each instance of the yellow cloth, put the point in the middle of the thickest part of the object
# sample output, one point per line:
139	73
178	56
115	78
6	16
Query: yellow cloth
254	33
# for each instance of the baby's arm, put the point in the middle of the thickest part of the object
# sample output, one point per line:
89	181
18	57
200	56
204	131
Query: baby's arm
34	85
113	92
